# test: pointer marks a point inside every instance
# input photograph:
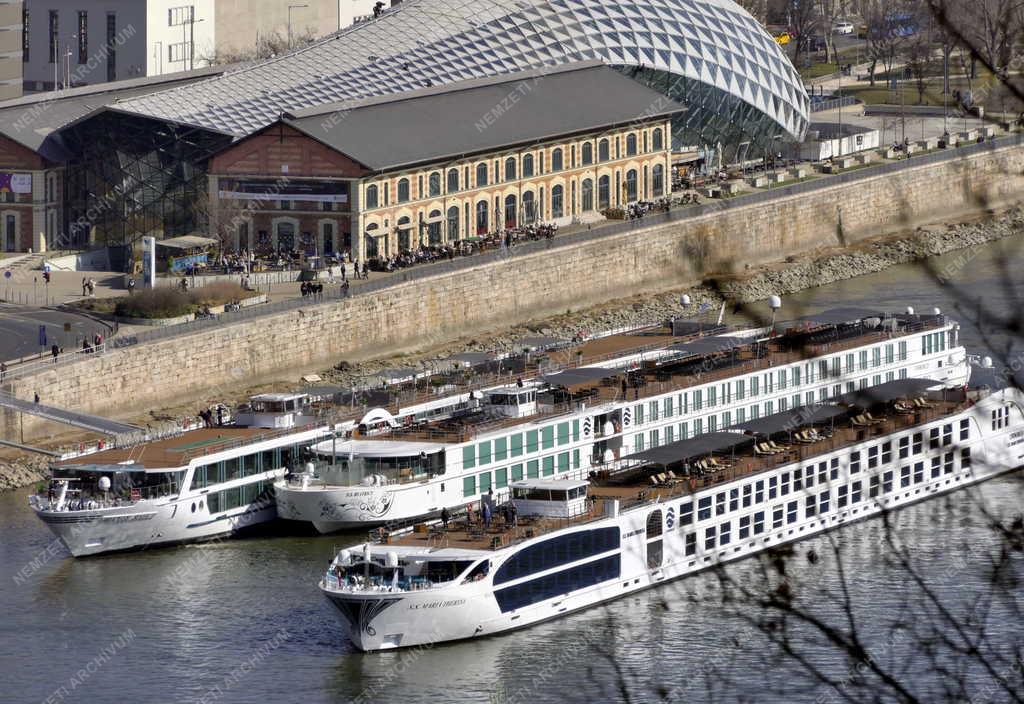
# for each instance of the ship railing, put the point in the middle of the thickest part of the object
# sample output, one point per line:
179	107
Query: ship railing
359	583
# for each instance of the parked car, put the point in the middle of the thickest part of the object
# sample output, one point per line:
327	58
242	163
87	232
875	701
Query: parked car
842	27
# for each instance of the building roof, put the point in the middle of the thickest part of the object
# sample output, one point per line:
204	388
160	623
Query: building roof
482	115
711	46
29	120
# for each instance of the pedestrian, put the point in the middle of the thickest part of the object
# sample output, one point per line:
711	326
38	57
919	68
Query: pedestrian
513	512
3	371
366	270
36	397
445	517
486	511
131	286
85	287
55	351
344	288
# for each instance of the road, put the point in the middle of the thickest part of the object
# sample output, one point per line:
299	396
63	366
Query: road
19	330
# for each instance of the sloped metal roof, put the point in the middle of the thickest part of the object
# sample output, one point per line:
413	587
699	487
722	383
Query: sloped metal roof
522	107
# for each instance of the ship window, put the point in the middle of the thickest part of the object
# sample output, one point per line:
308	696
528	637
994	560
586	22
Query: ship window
558	584
904	448
554	552
531	441
691	543
964	429
724	533
842	496
563	462
918	472
949	462
709	538
533	469
748	491
887	482
685	513
563	433
720	503
904	477
549	465
484	452
704	508
936	466
500	449
516	444
485	482
965	458
872	457
886	452
918	443
517	472
734	499
791	511
823	502
759	522
810	506
468	486
654	524
744	527
778	516
469	457
856	494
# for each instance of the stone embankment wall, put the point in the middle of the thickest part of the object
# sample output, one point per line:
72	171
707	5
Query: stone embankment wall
836	212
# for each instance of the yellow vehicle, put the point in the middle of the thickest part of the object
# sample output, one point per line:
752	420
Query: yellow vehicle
783	38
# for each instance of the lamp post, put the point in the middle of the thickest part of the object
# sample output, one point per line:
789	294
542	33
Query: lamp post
290	8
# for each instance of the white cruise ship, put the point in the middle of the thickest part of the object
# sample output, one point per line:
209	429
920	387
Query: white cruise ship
201	484
613	396
572	543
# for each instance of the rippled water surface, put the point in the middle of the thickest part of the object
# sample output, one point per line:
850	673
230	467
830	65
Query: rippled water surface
243	621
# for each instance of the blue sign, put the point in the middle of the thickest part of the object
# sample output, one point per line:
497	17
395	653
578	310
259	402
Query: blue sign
42	336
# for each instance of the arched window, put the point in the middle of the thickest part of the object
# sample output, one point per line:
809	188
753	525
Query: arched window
658	180
657	139
603	192
372	239
630	145
371	197
557	195
453	180
453	223
434	185
587	153
527	165
556	160
434	224
602	150
587	195
403	190
529	208
404	233
481	217
481	174
510	169
510	211
631	185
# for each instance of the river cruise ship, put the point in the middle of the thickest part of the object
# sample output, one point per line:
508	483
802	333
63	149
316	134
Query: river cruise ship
597	402
197	485
563	544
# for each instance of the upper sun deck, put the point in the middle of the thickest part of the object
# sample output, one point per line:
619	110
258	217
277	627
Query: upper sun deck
177	451
690	466
652	361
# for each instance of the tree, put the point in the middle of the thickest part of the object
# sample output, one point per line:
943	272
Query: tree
917	52
267	46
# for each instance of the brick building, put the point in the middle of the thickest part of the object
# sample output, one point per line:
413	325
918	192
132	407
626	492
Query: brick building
444	164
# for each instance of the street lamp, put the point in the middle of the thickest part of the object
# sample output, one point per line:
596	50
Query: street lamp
290	8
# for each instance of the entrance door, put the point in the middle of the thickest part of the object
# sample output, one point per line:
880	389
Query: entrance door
285	237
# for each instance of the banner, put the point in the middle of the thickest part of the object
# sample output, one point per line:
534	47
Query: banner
15	183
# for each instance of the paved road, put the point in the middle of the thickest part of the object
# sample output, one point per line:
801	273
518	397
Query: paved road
19	330
96	424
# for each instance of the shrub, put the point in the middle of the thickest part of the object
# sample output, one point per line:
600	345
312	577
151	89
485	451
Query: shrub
173	302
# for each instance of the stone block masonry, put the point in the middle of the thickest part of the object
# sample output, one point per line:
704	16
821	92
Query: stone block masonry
576	272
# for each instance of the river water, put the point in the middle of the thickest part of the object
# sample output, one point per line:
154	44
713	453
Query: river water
243	621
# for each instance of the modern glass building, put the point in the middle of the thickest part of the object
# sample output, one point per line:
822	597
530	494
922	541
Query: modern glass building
140	163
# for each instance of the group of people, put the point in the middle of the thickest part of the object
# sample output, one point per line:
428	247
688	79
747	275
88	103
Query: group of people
212	417
88	287
508	512
312	289
635	211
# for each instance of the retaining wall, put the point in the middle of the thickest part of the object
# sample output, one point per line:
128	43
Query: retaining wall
524	283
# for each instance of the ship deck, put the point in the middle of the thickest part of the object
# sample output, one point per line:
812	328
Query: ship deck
175	452
701	360
633	487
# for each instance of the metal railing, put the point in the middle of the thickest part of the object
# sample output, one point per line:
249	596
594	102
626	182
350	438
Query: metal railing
833	103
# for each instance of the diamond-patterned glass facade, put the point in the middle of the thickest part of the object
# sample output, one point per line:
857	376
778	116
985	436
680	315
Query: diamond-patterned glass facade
712	53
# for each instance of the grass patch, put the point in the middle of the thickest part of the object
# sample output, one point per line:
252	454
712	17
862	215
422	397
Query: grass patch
168	302
818	70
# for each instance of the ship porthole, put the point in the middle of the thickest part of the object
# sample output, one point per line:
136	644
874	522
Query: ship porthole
193	507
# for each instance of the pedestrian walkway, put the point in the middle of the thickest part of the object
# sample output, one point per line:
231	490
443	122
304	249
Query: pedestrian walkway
96	424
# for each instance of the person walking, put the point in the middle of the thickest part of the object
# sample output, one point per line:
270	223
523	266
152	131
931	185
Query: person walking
85	287
55	351
35	398
445	517
344	289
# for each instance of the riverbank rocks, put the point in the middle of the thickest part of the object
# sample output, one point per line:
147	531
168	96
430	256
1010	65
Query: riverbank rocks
15	473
